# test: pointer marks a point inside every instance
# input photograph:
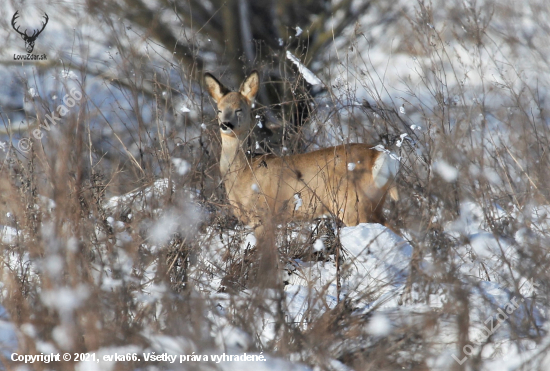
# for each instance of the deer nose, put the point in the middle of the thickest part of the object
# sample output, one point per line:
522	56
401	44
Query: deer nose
226	125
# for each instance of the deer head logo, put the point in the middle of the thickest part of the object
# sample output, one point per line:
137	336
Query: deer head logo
29	39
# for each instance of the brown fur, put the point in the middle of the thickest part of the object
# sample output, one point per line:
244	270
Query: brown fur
273	187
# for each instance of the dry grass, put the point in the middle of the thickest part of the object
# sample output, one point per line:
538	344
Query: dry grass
87	275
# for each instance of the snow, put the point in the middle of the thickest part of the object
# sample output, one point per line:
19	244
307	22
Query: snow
65	299
297	202
448	172
379	325
53	265
374	271
379	257
9	235
233	338
182	219
8	335
62	336
304	71
318	245
181	166
380	148
68	74
401	139
139	199
375	263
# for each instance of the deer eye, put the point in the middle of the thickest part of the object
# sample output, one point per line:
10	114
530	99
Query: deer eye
239	112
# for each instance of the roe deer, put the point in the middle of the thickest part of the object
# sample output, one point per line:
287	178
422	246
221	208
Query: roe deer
349	181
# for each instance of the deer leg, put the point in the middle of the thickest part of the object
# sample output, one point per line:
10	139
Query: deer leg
268	256
362	210
358	210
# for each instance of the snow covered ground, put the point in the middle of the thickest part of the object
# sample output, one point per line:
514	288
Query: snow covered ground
374	283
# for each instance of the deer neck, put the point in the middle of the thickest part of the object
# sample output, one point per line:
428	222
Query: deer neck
232	159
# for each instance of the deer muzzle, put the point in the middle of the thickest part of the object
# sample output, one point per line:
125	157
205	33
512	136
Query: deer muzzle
226	126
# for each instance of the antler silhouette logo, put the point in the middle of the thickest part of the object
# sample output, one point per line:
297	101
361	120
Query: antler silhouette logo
29	39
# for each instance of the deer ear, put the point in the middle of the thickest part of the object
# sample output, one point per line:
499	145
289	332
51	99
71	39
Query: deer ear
249	87
214	87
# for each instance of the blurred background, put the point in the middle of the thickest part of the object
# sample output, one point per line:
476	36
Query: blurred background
137	55
142	61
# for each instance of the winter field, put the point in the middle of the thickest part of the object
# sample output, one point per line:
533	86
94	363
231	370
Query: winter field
118	246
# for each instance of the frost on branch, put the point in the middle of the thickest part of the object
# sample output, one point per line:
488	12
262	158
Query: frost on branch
304	71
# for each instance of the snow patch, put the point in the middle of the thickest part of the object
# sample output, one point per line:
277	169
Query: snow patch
304	71
67	74
9	235
33	93
379	325
181	166
401	139
183	219
297	201
448	172
319	245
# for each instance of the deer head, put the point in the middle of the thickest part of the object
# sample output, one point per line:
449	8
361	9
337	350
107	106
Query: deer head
234	107
29	39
